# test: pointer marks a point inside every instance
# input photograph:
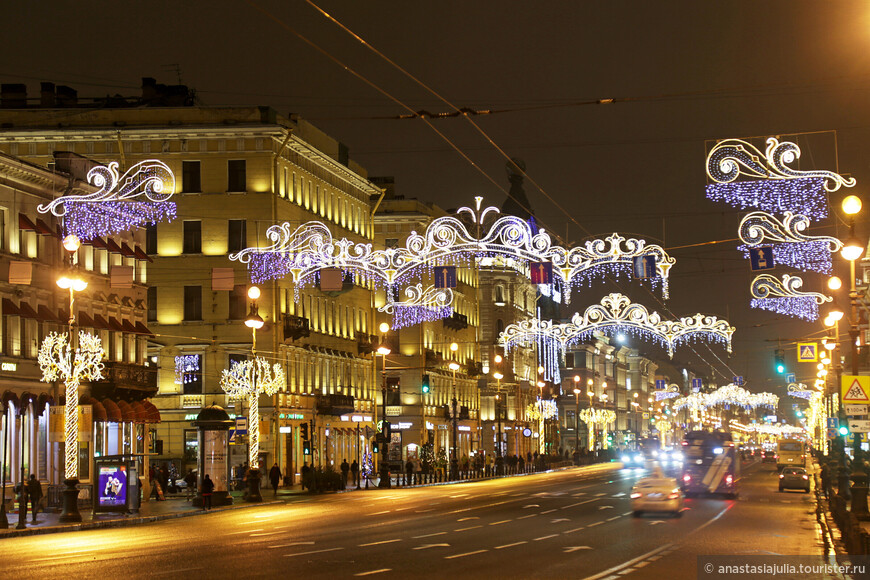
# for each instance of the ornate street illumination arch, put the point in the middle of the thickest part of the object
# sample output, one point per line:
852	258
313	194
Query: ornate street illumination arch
783	297
791	247
616	314
422	305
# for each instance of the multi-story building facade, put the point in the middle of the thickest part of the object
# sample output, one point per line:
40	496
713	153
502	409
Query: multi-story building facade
112	307
238	171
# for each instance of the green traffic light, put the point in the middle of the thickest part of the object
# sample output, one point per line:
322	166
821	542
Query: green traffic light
780	368
844	430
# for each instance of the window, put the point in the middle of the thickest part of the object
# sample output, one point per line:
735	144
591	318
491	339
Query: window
192	375
193	302
190	177
237	235
236	175
499	295
237	302
151	239
192	237
152	303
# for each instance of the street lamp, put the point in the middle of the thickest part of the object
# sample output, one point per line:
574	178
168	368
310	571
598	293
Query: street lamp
577	417
498	377
383	350
454	460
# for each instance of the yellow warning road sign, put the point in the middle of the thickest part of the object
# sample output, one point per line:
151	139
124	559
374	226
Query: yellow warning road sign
855	389
808	352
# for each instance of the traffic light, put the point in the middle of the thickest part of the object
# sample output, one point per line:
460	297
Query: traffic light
375	447
424	385
779	361
304	430
306	447
843	430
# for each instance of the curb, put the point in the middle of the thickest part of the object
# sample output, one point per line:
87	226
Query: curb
127	521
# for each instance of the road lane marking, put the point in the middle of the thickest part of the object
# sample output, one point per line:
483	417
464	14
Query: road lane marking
613	518
429	535
627	514
423	511
427	546
266	534
575	530
629	564
465	554
468	509
528	516
465	529
546	537
166	572
531	505
460	495
292	544
605	507
595	524
641	564
501	522
656	522
381	513
379	543
244	532
370	572
580	503
575	548
468	518
511	545
548	512
312	552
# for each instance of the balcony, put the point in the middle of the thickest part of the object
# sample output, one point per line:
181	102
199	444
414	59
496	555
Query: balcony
125	380
295	327
456	321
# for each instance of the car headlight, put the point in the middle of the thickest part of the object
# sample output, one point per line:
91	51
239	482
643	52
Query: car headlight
638	458
625	459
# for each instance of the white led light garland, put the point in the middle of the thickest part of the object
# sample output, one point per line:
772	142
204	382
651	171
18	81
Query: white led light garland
250	378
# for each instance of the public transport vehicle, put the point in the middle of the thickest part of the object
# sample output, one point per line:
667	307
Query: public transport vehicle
791	451
711	464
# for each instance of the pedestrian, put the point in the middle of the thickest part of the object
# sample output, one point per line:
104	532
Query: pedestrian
34	491
275	477
190	480
207	489
345	469
305	471
826	479
409	472
354	471
521	464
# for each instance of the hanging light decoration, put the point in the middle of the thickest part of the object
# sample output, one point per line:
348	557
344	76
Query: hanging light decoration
790	246
726	396
783	297
597	417
617	314
422	305
800	390
542	409
186	368
111	209
671	392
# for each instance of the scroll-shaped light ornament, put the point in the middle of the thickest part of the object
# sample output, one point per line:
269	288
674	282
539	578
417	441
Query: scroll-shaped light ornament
422	305
302	251
597	417
800	390
772	185
693	402
783	297
59	361
617	314
670	392
791	247
250	378
542	409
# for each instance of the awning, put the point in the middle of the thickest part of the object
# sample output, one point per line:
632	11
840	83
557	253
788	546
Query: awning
153	413
26	399
24	223
42	400
27	311
10	309
43	228
100	322
113	413
99	411
114	324
98	242
112	246
9	397
63	315
142	329
139	411
140	255
127	414
85	320
127	251
128	326
47	315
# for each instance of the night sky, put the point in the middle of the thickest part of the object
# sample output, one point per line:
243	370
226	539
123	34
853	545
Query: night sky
683	75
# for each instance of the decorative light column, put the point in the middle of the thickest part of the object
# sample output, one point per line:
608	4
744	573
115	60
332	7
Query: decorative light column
577	414
498	407
249	379
383	350
61	359
454	413
852	250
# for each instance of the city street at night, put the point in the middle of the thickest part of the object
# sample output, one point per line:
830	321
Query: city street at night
572	523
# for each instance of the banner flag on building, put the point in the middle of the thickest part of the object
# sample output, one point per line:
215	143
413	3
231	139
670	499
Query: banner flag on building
541	272
331	280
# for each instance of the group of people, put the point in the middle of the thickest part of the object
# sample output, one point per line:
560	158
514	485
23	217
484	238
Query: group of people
31	493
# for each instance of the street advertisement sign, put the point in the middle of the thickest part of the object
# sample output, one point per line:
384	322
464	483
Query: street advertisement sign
214	458
112	487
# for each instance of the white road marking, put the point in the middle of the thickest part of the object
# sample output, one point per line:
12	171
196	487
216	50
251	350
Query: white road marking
370	572
468	518
608	573
429	535
575	530
266	534
465	529
460	495
620	494
605	507
379	543
381	513
575	548
501	522
548	511
511	545
293	544
595	524
627	514
600	494
531	505
613	518
465	554
312	552
641	564
528	516
422	511
656	522
244	532
166	572
427	546
546	537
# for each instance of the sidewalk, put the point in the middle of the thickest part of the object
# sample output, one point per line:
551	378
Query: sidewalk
175	506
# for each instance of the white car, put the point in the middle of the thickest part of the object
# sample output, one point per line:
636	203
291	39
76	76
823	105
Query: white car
656	494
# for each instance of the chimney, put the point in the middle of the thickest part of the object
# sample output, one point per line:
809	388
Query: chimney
46	95
149	89
67	96
13	96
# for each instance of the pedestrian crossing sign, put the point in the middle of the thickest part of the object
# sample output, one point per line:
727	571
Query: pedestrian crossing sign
808	352
855	389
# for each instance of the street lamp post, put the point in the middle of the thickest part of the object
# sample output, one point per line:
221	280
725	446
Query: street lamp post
384	350
577	417
498	377
454	413
851	251
255	322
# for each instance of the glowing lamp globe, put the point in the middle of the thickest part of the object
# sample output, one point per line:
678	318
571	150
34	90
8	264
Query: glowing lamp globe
497	376
254	321
384	327
253	293
71	243
851	205
454	347
454	366
834	283
852	249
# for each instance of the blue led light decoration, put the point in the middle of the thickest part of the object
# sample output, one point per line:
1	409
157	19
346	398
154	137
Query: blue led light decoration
726	396
422	305
672	391
111	209
186	367
303	251
801	391
783	297
790	246
772	185
617	314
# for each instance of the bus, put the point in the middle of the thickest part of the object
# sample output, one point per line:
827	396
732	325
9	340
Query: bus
711	464
790	451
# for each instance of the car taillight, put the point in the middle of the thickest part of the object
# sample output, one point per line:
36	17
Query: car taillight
781	476
674	495
685	443
805	477
687	478
636	495
728	479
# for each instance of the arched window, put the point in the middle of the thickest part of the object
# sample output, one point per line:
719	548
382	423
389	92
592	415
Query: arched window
499	295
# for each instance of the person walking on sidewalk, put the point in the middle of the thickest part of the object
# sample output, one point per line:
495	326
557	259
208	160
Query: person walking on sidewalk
207	489
345	469
190	480
34	492
305	471
275	477
354	471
